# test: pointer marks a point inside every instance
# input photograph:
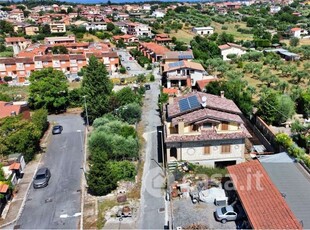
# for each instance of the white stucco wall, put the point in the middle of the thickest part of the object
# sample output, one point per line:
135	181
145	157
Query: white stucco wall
232	50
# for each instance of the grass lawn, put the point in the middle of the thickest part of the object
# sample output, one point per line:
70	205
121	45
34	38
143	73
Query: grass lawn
20	92
88	36
232	30
305	41
182	35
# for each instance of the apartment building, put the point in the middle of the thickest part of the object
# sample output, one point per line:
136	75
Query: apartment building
204	129
139	29
18	43
20	68
58	27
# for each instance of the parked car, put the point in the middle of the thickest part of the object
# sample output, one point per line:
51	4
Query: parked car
26	83
229	213
128	68
41	178
57	129
130	58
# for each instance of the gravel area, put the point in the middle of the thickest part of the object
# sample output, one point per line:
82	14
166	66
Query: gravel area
186	213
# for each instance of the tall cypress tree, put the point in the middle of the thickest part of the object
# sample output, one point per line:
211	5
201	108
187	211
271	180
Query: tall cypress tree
97	88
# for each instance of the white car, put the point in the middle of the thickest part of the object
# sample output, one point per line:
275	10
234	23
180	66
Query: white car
26	83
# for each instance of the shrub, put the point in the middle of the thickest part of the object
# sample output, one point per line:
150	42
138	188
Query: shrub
130	113
152	78
224	27
122	70
7	78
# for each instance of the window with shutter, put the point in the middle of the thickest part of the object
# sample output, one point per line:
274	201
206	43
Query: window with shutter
225	126
206	150
225	148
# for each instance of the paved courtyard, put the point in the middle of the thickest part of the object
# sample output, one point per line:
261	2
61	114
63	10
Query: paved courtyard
186	213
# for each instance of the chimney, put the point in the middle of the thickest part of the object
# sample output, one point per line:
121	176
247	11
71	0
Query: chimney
181	127
222	94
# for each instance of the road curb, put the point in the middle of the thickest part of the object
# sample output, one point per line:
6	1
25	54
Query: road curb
83	179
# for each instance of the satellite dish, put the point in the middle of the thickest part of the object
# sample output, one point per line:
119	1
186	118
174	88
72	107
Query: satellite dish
204	101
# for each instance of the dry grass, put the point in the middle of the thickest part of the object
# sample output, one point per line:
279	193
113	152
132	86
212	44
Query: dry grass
20	92
182	35
102	208
305	41
88	37
231	29
74	85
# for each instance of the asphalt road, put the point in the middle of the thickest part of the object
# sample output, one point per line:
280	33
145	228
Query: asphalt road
152	214
58	205
135	68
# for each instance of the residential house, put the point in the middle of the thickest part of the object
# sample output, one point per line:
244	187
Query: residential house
59	40
231	48
201	84
158	14
121	16
152	50
58	27
31	30
8	109
203	30
204	129
139	29
122	25
16	15
3	15
182	74
295	32
18	43
175	56
126	38
96	26
275	9
163	39
146	7
263	203
294	185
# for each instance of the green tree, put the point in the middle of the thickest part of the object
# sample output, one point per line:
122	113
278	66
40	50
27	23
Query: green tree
60	50
130	113
5	97
294	41
110	26
75	98
39	119
6	27
97	88
48	89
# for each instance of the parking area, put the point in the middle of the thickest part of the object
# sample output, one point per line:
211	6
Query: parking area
186	213
131	65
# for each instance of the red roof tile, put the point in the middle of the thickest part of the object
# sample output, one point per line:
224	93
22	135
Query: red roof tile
202	83
4	188
157	49
263	203
15	39
6	108
170	91
213	102
14	166
295	29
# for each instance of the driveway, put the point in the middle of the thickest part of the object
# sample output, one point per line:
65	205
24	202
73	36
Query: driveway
128	61
59	204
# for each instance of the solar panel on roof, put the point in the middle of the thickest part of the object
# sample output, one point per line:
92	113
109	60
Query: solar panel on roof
175	64
184	105
185	56
193	102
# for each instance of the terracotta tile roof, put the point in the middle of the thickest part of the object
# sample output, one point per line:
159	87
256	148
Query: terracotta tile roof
201	113
162	35
45	58
170	91
213	102
15	39
183	64
77	57
14	166
6	108
179	55
229	45
24	60
157	49
125	36
61	57
202	83
4	188
7	61
262	202
295	29
206	135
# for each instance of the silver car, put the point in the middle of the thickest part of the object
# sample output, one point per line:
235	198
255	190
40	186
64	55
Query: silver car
227	213
41	178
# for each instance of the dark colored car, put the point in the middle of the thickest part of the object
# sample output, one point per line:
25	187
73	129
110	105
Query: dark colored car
128	68
147	87
41	178
57	129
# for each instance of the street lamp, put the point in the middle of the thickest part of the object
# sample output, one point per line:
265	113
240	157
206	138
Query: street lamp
87	122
